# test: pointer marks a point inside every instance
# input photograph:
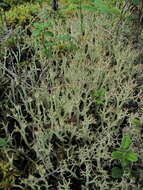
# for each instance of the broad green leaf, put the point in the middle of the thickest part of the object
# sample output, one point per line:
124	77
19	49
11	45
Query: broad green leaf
124	163
3	142
99	95
131	156
48	34
100	92
117	172
100	101
117	155
126	141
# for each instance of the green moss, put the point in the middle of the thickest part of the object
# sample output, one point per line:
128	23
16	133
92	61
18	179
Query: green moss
22	14
17	2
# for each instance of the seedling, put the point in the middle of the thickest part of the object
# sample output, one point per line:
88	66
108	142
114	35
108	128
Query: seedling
99	96
44	37
46	40
126	156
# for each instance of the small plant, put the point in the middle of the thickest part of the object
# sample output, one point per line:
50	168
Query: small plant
126	156
44	37
46	40
99	95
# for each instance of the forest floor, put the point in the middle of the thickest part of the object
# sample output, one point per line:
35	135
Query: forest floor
70	91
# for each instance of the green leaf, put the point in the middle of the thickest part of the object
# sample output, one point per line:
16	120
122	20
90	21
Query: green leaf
47	52
47	25
39	26
89	8
3	142
102	6
115	11
126	141
49	44
36	33
117	155
48	33
131	156
124	163
65	37
117	172
100	92
100	101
